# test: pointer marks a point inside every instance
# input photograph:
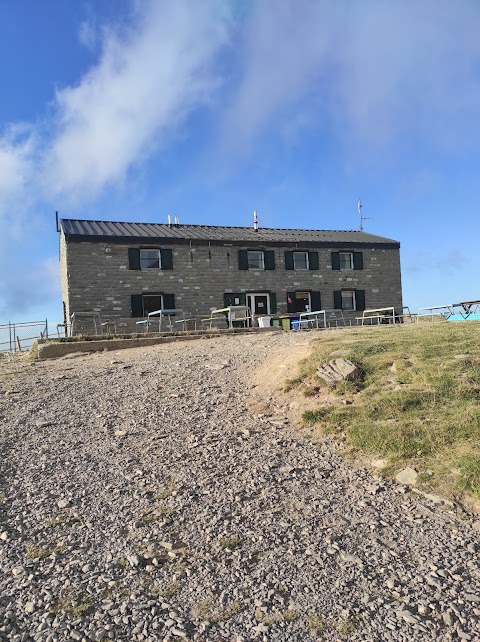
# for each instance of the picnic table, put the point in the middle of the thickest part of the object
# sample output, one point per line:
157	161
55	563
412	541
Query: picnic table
161	314
231	314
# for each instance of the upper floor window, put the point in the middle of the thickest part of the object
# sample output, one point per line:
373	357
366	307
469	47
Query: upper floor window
300	260
150	259
347	260
256	260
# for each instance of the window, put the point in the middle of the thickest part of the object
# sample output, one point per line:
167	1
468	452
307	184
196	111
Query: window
302	301
150	259
348	300
142	304
151	303
346	261
300	261
256	260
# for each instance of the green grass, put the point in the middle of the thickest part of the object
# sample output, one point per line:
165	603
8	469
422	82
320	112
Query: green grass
418	402
230	543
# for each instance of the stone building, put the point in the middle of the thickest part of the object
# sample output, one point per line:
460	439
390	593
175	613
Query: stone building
125	270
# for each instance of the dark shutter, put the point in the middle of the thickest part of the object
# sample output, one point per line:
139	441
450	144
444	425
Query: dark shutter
137	306
242	260
337	300
273	303
360	299
167	259
168	302
229	298
134	259
313	263
358	260
290	301
316	301
335	260
289	260
269	258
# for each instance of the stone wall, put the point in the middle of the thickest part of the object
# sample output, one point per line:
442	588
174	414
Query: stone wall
96	277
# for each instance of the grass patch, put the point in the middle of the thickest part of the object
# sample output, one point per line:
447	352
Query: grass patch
230	543
418	402
207	611
316	624
289	615
171	590
74	605
42	552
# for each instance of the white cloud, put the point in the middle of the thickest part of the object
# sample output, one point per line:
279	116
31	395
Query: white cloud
370	71
147	80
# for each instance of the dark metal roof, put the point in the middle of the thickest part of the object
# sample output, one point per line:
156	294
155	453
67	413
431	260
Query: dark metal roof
115	231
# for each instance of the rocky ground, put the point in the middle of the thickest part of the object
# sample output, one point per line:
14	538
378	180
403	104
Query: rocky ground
143	498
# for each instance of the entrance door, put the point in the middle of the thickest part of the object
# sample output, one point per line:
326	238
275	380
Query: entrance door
259	304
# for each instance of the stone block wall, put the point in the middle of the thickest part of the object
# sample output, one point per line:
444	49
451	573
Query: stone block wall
95	276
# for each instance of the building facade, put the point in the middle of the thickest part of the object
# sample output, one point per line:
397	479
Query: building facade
125	270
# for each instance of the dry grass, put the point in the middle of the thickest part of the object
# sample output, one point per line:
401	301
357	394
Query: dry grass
418	402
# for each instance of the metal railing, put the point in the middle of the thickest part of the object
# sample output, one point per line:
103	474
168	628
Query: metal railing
18	337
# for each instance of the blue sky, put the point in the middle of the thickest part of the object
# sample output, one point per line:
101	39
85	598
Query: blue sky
208	109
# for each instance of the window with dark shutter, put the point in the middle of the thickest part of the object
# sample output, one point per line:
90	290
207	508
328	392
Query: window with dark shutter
313	262
134	258
167	259
169	302
335	260
269	258
360	299
289	261
337	300
273	303
137	305
316	301
358	260
242	260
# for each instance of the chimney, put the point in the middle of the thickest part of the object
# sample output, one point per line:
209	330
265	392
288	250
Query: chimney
177	222
255	221
169	220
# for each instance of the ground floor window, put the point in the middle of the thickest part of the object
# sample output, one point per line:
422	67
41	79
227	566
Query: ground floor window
348	300
151	303
301	302
143	304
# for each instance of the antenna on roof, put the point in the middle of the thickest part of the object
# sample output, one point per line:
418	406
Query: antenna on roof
56	221
255	221
362	218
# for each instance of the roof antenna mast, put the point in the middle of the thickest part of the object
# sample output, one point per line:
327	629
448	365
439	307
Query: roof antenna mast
362	218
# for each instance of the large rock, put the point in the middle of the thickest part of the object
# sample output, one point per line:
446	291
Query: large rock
407	476
338	370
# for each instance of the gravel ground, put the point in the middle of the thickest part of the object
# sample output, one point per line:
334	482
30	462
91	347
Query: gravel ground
141	499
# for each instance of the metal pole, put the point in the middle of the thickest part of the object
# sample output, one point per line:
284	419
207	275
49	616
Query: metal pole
10	335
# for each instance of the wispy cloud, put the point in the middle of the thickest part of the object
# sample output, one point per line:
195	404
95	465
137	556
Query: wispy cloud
371	72
148	78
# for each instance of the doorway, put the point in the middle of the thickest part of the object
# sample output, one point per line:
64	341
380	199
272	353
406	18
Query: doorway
259	303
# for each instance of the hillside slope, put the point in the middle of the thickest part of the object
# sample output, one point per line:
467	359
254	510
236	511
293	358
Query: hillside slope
144	498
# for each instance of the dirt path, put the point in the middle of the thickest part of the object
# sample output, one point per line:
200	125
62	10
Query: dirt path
144	497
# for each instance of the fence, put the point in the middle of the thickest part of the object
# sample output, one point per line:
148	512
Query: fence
17	337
